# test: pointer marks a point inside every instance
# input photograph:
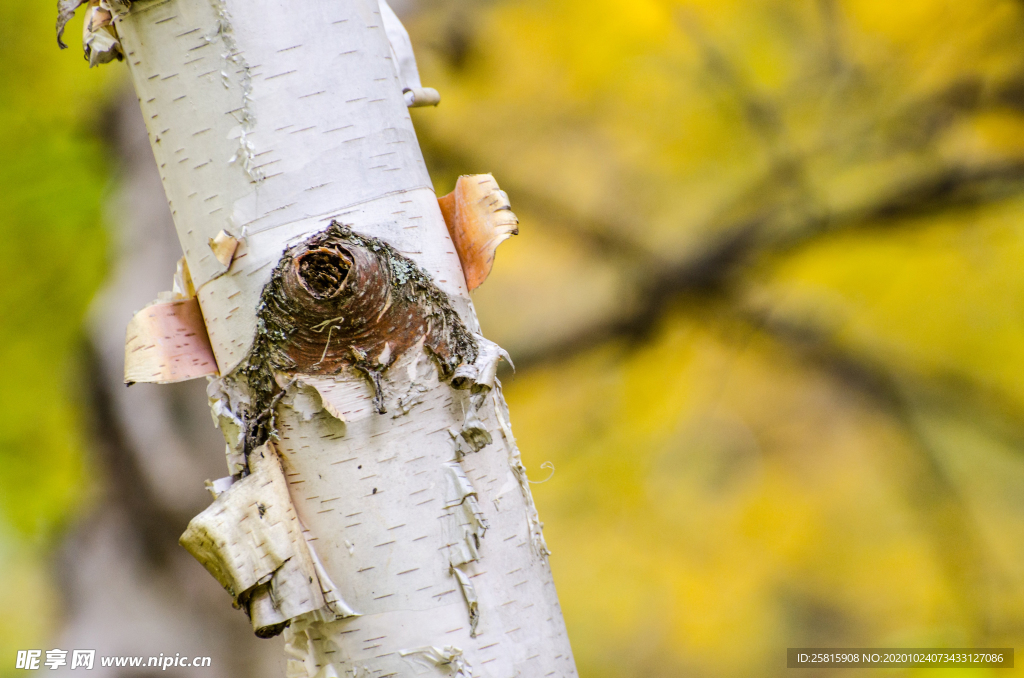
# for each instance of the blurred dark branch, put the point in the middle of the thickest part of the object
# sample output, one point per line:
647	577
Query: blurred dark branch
831	22
892	387
602	236
717	267
949	189
764	115
932	493
760	112
955	187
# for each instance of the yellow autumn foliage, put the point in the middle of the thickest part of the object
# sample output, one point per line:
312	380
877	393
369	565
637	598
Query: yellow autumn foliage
814	434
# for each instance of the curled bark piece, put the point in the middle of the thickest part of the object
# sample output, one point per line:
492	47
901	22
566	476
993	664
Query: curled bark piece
182	287
478	376
220	395
334	606
449	660
220	485
473	436
251	541
420	378
99	37
466	525
416	95
474	431
419	97
472	601
341	301
65	11
344	400
166	342
306	401
479	218
223	246
515	461
401	47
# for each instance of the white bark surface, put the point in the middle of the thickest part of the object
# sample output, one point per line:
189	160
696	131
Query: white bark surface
128	589
267	121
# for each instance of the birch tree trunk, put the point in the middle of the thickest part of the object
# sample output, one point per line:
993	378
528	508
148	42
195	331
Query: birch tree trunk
283	128
127	587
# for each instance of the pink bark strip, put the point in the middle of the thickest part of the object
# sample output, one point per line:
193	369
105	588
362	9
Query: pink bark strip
167	342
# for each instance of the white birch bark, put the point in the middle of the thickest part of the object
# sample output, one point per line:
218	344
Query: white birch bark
269	120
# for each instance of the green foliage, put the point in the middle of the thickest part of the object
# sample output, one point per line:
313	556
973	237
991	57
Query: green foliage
52	251
52	254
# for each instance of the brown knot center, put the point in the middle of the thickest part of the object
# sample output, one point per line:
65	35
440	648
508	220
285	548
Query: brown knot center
322	271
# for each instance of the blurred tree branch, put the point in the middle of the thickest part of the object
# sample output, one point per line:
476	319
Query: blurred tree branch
715	268
937	499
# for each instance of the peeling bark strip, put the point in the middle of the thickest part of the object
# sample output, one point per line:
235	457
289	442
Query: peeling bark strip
479	376
466	526
166	342
251	541
479	218
99	37
223	246
448	660
341	300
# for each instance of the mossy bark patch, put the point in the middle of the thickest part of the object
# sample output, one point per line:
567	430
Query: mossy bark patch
341	300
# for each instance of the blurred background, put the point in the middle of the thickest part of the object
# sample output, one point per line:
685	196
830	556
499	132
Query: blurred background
767	307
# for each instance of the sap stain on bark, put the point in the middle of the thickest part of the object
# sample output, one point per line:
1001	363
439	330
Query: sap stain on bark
340	300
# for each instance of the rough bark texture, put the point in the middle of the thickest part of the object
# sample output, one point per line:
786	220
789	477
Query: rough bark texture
271	122
339	300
